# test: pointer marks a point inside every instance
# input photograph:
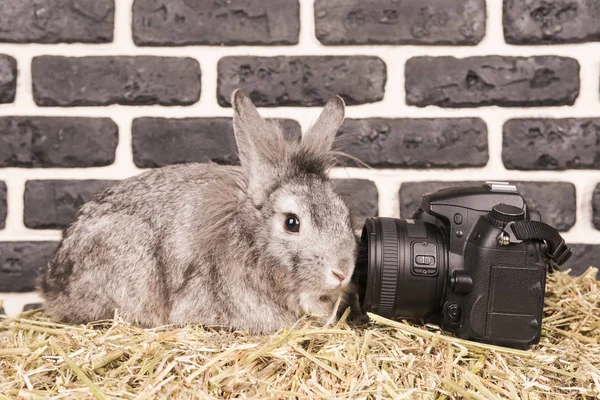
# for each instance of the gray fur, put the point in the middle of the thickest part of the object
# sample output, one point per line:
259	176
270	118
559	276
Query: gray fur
203	243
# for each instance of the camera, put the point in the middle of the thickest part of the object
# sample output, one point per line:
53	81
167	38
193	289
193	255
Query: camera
472	260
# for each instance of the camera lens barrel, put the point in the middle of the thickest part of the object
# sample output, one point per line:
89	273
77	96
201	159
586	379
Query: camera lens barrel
382	282
401	267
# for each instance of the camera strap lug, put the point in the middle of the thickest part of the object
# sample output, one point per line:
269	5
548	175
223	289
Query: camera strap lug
507	236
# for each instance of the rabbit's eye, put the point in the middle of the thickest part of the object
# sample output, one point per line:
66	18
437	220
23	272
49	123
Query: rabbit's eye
292	223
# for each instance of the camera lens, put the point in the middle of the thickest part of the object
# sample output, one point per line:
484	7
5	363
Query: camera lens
401	268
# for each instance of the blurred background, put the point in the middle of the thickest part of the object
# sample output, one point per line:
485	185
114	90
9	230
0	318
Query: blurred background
439	93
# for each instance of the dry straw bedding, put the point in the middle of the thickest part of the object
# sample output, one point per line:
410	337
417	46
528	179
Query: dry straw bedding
42	359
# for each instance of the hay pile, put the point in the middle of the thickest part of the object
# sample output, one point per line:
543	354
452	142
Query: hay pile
42	359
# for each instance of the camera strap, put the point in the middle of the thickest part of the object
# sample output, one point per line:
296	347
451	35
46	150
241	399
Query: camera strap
558	251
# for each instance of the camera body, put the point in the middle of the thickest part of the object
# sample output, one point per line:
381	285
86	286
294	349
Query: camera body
495	292
457	263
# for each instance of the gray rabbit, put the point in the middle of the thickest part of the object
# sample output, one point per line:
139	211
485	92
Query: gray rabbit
250	248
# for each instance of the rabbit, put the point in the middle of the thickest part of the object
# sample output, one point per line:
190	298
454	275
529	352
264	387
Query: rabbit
251	247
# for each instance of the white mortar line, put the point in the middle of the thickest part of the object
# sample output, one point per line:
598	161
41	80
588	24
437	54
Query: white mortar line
14	302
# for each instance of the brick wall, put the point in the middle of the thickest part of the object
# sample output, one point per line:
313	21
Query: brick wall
437	91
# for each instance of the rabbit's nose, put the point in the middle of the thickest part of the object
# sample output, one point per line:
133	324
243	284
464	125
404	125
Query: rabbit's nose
339	274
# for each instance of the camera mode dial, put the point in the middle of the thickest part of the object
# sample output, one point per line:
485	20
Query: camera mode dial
502	214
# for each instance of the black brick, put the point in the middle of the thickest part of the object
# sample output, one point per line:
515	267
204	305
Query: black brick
3	205
32	306
551	21
21	262
415	143
551	144
583	257
100	81
361	197
208	22
492	81
42	142
302	81
52	204
416	22
57	21
162	141
556	201
596	207
8	77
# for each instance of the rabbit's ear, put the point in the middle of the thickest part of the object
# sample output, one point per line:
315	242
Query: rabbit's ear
260	143
321	135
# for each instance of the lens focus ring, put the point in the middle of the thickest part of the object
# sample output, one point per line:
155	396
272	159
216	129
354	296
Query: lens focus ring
389	273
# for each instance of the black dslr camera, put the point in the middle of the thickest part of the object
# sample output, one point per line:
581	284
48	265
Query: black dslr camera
472	260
